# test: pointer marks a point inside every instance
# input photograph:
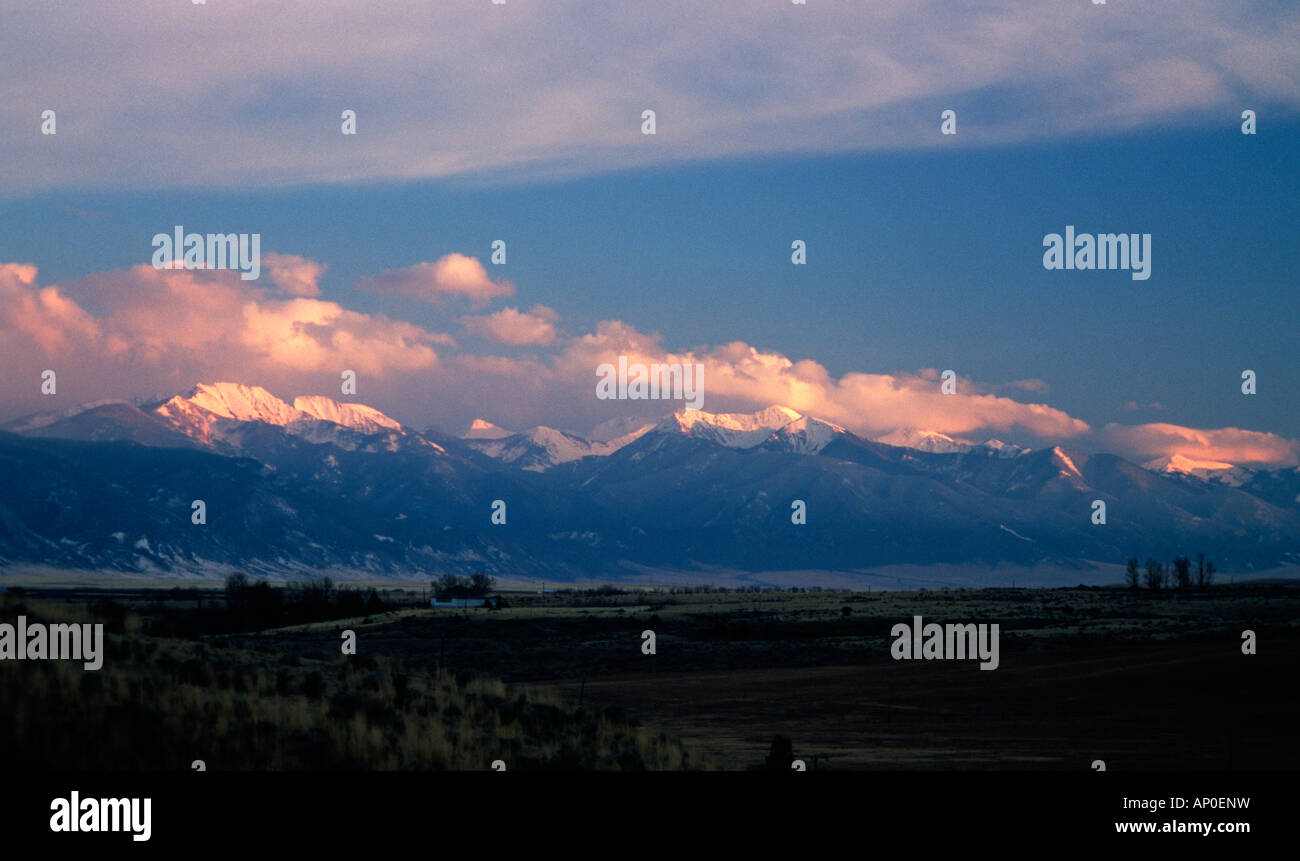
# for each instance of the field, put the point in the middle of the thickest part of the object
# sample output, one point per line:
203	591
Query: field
1138	680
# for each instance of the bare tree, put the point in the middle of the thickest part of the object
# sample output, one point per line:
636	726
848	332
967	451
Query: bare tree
1183	571
1155	574
1200	569
1131	575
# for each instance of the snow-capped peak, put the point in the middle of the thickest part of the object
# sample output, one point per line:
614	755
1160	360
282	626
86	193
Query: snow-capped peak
542	435
538	448
358	417
734	430
225	414
925	440
1183	463
1006	449
242	403
484	429
1209	470
808	435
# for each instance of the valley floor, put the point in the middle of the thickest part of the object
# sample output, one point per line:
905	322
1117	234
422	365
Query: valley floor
1139	680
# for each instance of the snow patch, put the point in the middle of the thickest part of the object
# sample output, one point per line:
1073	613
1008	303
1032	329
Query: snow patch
1218	471
733	430
1006	528
358	417
484	429
925	440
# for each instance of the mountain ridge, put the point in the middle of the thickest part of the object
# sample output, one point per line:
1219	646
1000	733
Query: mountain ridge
319	483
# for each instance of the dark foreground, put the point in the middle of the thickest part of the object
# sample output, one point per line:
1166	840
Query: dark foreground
1138	681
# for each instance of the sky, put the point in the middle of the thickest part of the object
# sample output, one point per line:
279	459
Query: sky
523	122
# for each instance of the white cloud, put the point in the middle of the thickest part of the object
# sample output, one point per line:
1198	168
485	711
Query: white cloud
512	326
452	275
164	93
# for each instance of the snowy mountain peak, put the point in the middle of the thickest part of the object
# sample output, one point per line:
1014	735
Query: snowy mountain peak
1183	463
808	435
734	430
232	417
242	403
358	417
542	435
1006	449
484	429
772	418
925	440
536	449
1207	470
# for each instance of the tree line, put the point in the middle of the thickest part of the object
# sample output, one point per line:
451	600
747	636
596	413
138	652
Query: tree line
1155	575
477	585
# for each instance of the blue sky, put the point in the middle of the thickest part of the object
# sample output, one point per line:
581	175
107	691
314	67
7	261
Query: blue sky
915	260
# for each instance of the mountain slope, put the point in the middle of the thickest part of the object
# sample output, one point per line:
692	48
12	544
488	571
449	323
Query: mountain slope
326	485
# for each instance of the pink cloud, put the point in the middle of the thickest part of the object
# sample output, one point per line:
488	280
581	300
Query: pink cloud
452	275
1234	445
739	376
294	275
43	315
144	329
511	326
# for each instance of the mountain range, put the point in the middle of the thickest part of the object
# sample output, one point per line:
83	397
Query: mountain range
319	485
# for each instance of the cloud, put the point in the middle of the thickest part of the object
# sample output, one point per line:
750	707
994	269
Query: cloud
129	332
294	275
1234	445
511	326
753	77
43	316
452	275
740	376
143	329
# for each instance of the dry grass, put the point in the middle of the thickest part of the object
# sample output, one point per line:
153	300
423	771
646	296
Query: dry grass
159	704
